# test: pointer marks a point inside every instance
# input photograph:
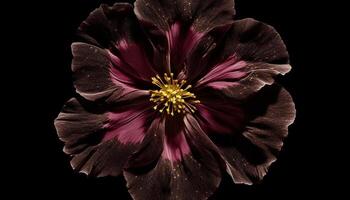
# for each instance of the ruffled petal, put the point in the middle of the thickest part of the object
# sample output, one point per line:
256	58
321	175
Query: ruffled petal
129	121
253	53
95	76
203	15
104	26
250	154
116	28
226	117
87	132
179	28
185	166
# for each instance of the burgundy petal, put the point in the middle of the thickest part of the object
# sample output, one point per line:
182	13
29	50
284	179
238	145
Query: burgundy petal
185	166
104	26
95	77
79	128
252	53
250	154
181	41
203	15
116	28
86	130
178	27
128	123
131	62
107	25
226	117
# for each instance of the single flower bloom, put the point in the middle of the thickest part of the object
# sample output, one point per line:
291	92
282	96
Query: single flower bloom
173	94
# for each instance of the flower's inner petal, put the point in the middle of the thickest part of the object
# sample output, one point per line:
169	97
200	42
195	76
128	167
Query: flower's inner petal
136	74
176	28
224	74
133	60
129	123
220	118
181	41
175	145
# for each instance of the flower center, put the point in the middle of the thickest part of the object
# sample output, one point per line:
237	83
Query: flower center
171	96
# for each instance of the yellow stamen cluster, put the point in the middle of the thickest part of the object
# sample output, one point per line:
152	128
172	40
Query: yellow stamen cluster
171	97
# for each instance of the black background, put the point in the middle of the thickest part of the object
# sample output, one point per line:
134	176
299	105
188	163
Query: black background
45	171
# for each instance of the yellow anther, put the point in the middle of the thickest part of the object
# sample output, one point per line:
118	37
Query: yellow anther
171	96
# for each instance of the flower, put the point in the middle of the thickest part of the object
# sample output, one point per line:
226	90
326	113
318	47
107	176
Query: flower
173	94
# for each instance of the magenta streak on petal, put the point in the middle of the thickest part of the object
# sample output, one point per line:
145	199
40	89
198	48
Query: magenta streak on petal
127	126
223	118
180	44
128	89
224	74
175	147
135	57
131	65
119	69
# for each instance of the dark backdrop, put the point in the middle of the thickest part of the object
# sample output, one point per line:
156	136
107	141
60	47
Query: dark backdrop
296	173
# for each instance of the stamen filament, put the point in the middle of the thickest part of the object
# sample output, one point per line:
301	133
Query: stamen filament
171	96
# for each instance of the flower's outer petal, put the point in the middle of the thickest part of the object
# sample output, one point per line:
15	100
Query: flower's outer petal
178	28
253	53
86	129
95	76
116	28
185	166
104	30
203	15
250	154
78	127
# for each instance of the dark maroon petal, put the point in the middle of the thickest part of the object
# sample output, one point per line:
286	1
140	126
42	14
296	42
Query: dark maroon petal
83	129
225	117
250	154
107	25
200	58
254	41
253	53
127	123
131	66
79	128
152	147
185	166
258	75
94	76
203	15
116	28
178	27
103	30
181	41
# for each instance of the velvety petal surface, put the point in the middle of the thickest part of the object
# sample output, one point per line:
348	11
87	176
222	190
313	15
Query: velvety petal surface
220	115
250	153
203	15
185	166
101	141
96	78
251	54
177	28
116	29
